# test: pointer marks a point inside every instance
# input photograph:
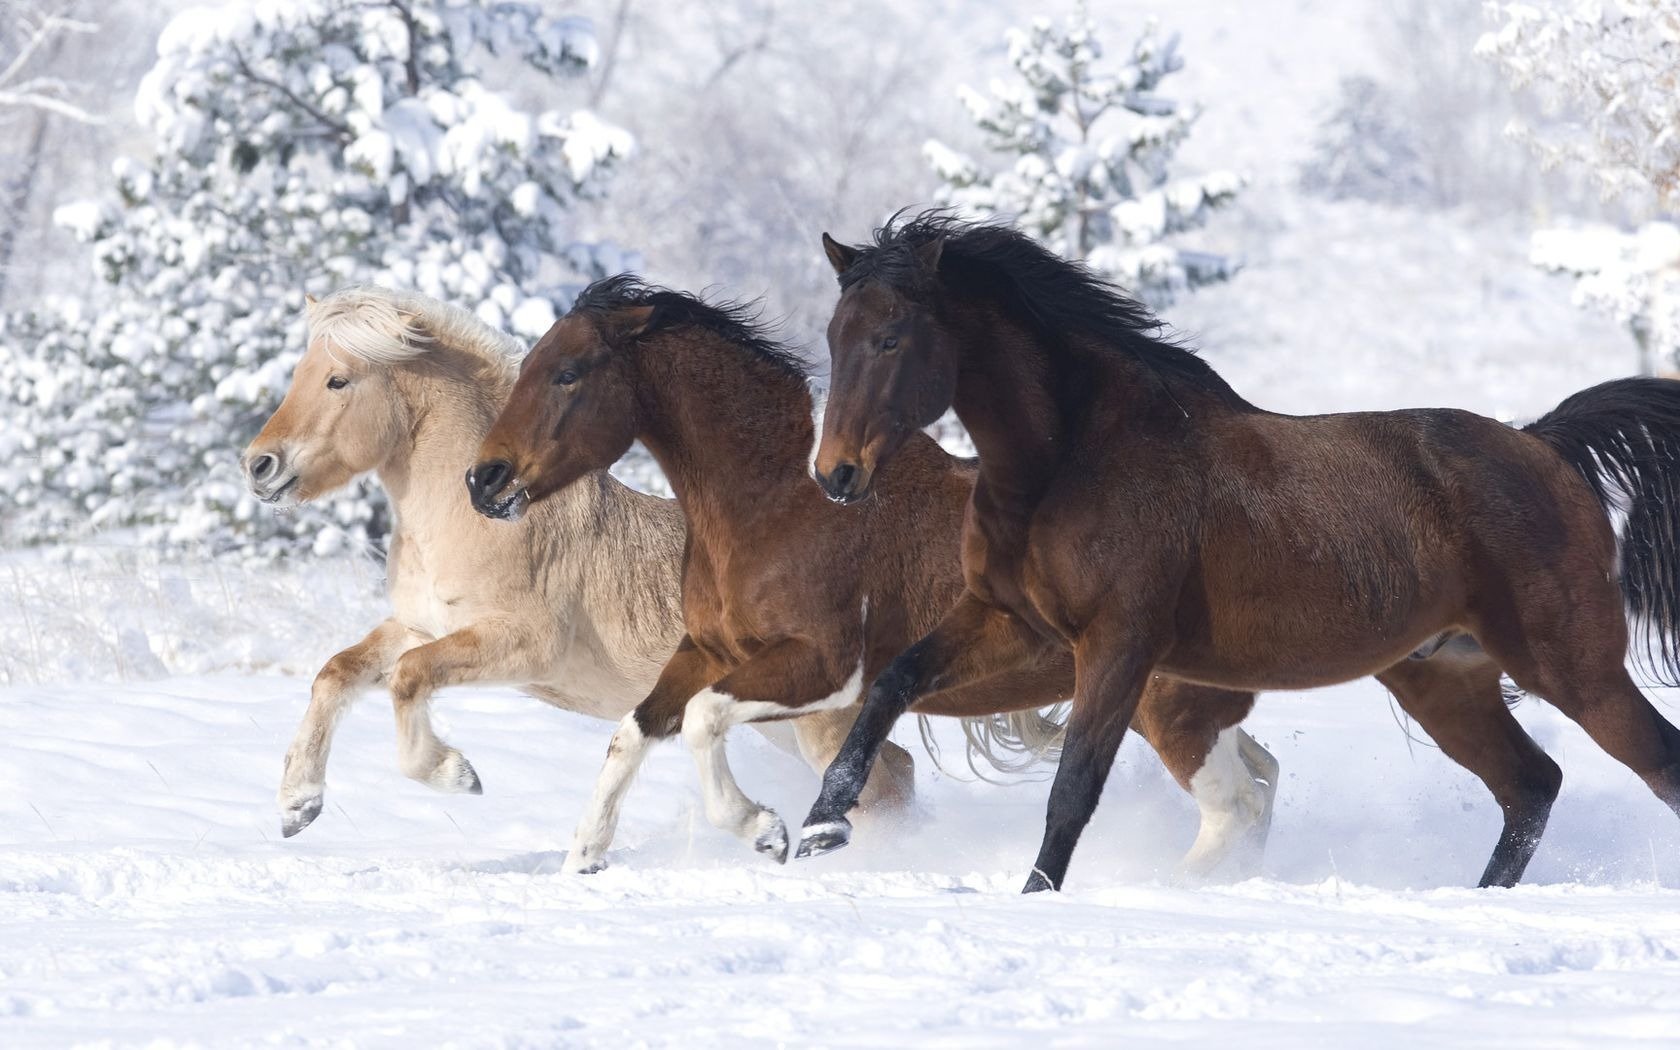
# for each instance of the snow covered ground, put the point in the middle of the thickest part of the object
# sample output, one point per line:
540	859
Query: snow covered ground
147	899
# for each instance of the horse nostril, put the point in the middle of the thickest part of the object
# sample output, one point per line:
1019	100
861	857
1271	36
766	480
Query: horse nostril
841	478
488	478
263	467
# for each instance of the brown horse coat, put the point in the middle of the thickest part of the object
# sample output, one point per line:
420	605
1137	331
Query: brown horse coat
791	604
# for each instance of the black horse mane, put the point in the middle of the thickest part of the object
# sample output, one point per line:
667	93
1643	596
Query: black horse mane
739	323
1056	297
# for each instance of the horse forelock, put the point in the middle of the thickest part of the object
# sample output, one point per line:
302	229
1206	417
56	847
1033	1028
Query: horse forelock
383	328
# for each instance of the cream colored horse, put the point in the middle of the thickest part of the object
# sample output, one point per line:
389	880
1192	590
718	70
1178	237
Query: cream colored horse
577	604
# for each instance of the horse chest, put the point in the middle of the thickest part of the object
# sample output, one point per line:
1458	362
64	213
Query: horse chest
421	597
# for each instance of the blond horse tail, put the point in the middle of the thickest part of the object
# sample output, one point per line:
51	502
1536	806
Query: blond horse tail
1009	743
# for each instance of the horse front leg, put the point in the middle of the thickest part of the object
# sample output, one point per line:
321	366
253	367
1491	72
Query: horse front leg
1108	680
973	641
303	780
778	681
892	782
655	718
494	652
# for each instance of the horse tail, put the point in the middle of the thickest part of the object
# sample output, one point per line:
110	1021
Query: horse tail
1623	437
1009	743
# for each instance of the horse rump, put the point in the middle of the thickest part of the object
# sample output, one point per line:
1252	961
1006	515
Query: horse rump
1623	436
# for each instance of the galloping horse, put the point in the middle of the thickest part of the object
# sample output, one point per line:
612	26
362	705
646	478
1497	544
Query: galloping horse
578	604
1134	510
791	605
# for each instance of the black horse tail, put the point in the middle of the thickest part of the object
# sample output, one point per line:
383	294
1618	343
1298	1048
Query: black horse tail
1624	438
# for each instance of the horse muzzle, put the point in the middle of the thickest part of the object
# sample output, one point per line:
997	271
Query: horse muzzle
270	478
496	492
846	484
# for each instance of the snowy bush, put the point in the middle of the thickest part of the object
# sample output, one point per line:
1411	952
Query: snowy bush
298	147
1632	277
1091	150
1611	71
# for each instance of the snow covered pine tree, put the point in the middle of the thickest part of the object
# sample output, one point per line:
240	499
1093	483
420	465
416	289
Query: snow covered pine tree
298	147
1613	71
1091	149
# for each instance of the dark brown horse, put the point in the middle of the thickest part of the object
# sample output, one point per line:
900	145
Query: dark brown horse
790	603
1134	510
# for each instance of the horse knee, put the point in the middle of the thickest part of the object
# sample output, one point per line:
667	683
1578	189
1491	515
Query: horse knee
411	679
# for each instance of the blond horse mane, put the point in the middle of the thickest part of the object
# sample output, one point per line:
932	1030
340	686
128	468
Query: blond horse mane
384	328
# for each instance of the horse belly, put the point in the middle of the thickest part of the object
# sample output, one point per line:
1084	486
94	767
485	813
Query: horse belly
1306	625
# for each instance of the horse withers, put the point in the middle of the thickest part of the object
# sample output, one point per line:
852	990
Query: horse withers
1135	511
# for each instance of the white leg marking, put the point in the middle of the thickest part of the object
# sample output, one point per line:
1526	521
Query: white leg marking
706	722
595	831
1233	801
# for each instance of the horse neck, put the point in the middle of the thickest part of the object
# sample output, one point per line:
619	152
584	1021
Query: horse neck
1025	400
448	415
730	432
1005	397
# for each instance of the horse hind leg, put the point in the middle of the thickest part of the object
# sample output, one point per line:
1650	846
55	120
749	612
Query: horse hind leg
1457	700
1232	778
1572	655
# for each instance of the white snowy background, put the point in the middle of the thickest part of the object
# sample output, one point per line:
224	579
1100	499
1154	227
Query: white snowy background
148	687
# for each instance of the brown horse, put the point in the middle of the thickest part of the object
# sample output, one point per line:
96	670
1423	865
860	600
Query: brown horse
1133	510
791	605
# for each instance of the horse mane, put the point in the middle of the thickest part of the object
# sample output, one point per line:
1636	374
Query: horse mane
739	323
1056	297
384	328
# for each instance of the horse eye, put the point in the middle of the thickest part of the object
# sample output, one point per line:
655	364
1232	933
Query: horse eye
566	378
890	343
337	383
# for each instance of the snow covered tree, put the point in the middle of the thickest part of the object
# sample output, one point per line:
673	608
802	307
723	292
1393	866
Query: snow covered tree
1634	277
298	147
1365	150
1092	149
1612	71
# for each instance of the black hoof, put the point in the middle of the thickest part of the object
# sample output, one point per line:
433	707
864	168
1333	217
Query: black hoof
824	837
299	817
1038	882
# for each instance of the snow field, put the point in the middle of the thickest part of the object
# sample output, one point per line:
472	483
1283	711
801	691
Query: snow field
146	898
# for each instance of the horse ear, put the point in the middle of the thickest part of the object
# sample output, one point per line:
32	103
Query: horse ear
634	321
839	256
927	255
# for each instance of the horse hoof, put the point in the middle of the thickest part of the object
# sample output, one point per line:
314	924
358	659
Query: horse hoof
455	776
1037	882
299	815
773	840
583	866
824	837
